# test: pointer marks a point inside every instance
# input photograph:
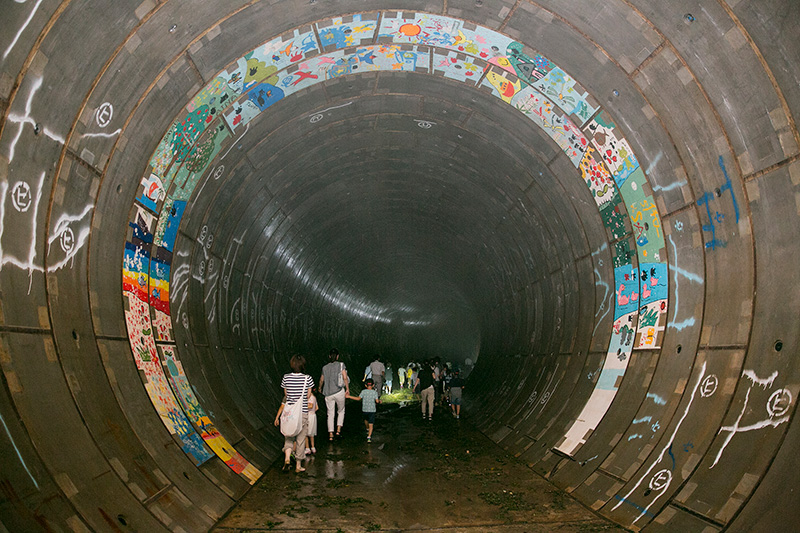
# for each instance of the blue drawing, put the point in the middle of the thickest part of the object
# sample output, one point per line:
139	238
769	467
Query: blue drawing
658	400
336	36
407	59
19	455
173	221
653	277
308	43
264	95
637	507
366	55
643	419
717	216
627	290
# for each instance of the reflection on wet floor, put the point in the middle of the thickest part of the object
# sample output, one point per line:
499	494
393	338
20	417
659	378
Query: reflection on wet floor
415	475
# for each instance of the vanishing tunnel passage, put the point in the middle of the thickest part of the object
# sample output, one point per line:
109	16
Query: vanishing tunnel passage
595	207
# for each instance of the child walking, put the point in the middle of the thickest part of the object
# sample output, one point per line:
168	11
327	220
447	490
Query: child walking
369	398
312	422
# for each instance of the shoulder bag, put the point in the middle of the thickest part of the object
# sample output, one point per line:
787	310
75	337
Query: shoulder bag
292	416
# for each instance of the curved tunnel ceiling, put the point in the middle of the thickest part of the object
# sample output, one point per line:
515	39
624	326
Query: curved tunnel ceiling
597	205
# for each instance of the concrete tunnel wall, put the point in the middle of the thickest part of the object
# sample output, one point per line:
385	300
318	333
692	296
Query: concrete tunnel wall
146	320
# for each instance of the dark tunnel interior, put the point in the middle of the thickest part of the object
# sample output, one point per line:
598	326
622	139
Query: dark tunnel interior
592	208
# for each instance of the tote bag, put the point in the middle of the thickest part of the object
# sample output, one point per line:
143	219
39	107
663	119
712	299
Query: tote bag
292	416
340	378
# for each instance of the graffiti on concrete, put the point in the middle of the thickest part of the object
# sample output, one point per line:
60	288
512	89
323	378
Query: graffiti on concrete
774	411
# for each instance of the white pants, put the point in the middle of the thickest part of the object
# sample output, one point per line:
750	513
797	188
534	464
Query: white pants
337	400
299	439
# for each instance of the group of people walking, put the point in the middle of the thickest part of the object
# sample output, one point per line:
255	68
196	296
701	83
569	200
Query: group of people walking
437	384
299	426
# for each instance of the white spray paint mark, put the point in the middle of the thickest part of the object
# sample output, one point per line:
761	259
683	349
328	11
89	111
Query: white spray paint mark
658	400
769	422
548	395
19	455
545	392
607	294
104	114
112	134
664	486
22	120
62	232
63	222
331	108
180	279
246	128
21	29
767	382
212	293
236	325
32	252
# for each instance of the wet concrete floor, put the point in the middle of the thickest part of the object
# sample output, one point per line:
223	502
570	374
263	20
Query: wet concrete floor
415	475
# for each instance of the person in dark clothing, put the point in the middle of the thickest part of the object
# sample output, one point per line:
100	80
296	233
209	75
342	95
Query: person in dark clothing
456	388
425	380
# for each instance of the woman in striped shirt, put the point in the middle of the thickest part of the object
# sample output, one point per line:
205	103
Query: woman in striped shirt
296	386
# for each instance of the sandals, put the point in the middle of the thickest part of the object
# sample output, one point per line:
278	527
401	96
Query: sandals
298	470
286	466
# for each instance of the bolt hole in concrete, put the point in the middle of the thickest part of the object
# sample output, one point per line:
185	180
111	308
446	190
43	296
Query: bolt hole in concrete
119	189
415	475
679	348
186	476
75	334
122	520
778	346
37	128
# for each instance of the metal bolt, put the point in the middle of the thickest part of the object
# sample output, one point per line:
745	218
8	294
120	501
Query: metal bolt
173	28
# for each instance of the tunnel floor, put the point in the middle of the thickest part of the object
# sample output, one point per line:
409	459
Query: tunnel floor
415	475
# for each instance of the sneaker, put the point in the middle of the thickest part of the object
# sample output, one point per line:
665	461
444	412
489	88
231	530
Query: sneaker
313	450
369	439
458	416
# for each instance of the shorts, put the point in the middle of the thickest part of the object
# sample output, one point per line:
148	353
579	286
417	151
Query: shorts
369	417
455	396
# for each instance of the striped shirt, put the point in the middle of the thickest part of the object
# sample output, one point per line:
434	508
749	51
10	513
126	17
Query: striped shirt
293	384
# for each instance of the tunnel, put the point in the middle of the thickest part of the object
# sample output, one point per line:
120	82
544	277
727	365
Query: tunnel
591	206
